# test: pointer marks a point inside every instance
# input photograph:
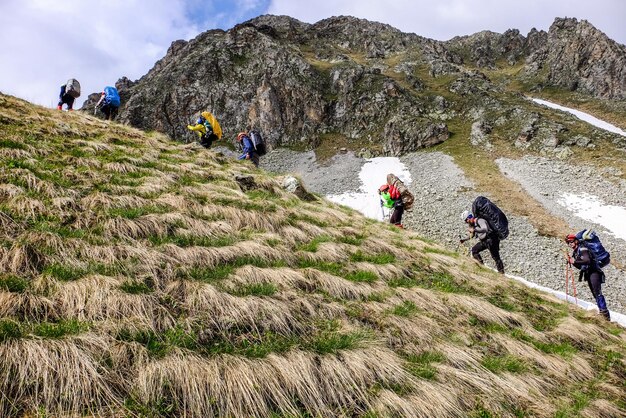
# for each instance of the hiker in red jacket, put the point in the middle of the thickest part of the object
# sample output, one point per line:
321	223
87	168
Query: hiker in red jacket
391	199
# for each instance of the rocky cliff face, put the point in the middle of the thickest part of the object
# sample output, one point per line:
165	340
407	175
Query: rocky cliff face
364	82
577	56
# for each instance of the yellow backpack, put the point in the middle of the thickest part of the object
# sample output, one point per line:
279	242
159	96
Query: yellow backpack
217	129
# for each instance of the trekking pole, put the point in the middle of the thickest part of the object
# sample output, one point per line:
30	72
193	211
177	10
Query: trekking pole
462	242
569	276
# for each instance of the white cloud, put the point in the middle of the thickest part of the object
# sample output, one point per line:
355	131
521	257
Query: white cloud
444	19
45	42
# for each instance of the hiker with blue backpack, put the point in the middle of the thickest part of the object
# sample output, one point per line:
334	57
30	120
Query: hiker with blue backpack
589	256
109	102
490	225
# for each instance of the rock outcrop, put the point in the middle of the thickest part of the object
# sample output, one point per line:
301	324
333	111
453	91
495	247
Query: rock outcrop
375	86
577	56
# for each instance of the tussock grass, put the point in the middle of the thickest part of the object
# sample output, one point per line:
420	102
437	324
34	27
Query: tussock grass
138	278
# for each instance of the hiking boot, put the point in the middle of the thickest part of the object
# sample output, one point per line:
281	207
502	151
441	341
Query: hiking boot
606	314
399	226
60	107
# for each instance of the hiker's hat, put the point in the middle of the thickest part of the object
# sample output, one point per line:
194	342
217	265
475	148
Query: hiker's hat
466	215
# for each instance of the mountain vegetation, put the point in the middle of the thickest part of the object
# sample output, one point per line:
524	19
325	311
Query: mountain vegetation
140	276
377	90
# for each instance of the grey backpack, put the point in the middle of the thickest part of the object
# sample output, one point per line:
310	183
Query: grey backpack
72	88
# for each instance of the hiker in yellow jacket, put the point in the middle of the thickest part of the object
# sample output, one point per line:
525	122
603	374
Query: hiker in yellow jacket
208	129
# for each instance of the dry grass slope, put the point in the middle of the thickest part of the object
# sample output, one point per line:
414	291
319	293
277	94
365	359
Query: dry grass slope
137	278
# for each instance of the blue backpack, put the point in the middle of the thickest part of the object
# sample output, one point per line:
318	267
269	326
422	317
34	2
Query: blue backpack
590	239
111	96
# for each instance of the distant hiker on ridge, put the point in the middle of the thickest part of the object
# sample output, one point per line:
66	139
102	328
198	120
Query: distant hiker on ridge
589	256
390	198
248	151
69	92
487	239
207	128
109	102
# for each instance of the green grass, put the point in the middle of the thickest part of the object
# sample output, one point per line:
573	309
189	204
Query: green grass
356	240
254	346
191	241
508	363
262	194
314	243
135	287
502	301
256	289
406	308
445	282
361	276
257	262
7	143
543	314
159	345
209	274
382	258
578	399
330	342
420	365
403	281
273	242
64	273
13	284
325	266
134	213
293	219
9	329
60	329
434	250
558	347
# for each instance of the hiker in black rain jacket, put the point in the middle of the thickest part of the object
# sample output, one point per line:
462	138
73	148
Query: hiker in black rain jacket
589	270
488	239
65	98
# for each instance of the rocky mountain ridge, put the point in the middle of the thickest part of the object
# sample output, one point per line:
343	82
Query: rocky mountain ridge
367	84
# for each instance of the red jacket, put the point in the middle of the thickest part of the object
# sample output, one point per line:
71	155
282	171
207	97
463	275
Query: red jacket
394	193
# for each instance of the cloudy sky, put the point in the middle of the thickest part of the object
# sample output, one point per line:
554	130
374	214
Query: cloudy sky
45	42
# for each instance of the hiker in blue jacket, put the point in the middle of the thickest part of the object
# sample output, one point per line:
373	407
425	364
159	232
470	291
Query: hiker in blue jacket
109	102
589	271
248	150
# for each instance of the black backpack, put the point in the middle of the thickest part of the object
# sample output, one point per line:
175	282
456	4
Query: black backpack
258	142
486	209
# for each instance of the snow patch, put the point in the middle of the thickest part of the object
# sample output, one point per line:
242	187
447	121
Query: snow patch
582	116
593	209
373	174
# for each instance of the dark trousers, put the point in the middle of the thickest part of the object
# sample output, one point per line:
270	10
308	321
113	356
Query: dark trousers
491	243
594	279
254	157
68	100
206	140
398	211
110	112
